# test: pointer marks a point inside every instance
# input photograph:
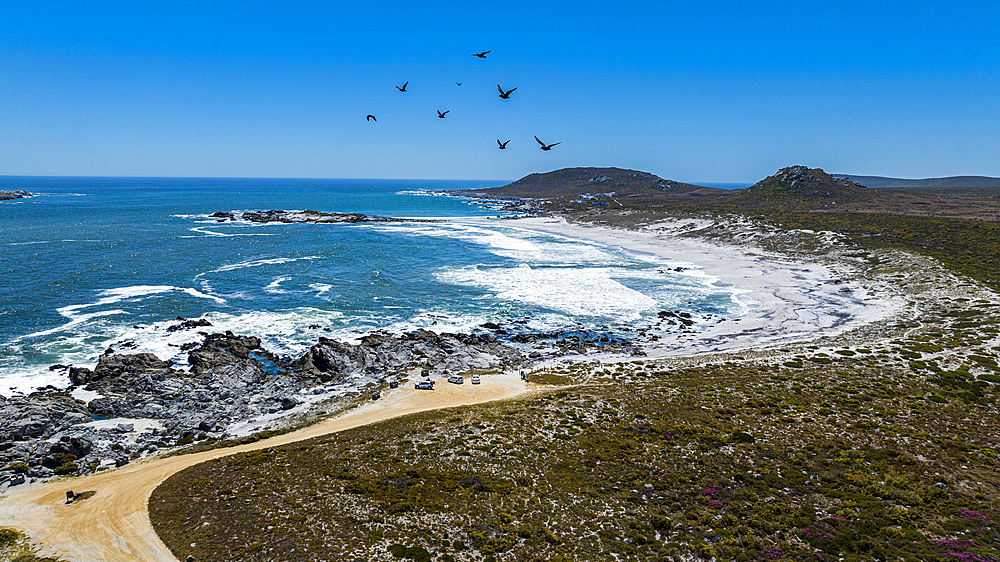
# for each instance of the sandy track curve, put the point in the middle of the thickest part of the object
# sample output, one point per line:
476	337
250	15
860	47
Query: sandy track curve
113	525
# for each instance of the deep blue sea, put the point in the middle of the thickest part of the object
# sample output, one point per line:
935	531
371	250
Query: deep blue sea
90	263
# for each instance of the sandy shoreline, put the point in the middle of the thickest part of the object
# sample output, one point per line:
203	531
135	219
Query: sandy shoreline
786	301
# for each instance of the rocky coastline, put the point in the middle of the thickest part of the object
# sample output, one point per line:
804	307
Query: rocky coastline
17	194
131	406
138	405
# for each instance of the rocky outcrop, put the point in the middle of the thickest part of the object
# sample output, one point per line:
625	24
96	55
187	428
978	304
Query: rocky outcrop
19	194
40	415
114	366
304	217
800	187
383	352
222	350
232	379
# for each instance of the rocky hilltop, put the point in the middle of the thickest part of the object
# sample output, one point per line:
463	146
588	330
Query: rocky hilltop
800	187
573	182
19	194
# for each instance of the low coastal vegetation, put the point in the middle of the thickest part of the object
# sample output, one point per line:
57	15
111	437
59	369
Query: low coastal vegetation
15	547
877	450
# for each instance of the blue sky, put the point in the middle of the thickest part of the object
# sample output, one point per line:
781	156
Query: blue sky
713	92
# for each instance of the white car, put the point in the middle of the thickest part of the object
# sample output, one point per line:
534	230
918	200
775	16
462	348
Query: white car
475	379
457	379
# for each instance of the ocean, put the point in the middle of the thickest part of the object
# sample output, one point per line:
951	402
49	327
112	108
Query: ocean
93	263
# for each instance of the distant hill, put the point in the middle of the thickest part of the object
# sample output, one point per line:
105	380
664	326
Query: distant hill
573	182
795	189
800	187
953	181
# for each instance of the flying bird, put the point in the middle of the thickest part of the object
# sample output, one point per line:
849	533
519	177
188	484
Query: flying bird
546	146
503	145
505	95
403	88
458	83
481	55
371	118
441	115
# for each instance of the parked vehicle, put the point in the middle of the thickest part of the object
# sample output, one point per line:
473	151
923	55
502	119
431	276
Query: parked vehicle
393	384
376	396
457	379
475	379
424	385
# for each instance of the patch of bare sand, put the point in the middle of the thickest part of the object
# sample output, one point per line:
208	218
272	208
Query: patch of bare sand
114	526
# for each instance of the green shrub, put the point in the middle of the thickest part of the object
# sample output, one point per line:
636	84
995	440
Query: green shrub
417	554
8	537
68	467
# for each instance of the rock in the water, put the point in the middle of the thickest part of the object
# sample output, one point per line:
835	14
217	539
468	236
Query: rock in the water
18	194
188	324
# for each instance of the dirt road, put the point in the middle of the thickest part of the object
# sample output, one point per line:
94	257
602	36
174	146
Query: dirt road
113	525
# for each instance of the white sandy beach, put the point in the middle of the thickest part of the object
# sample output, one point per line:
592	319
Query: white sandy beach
787	301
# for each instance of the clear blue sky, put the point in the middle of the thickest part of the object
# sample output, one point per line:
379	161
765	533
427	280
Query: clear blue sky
694	91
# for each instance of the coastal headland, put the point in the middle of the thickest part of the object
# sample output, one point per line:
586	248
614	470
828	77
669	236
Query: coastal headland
831	419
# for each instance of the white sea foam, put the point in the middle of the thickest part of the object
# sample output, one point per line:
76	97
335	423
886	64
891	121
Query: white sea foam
288	332
320	288
275	286
517	244
255	263
111	296
204	231
48	242
579	292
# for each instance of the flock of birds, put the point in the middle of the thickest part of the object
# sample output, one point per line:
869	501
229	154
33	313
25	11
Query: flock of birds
504	95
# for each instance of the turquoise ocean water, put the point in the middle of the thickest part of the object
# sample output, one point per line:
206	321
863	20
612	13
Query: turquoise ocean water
90	263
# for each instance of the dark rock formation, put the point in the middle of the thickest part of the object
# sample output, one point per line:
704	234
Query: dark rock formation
232	379
113	366
188	325
40	414
19	194
220	350
388	353
304	217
